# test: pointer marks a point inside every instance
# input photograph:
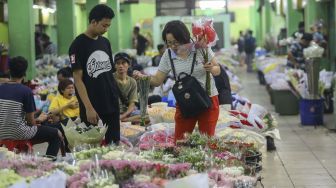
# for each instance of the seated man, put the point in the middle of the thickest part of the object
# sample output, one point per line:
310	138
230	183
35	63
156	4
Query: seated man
17	109
126	84
64	73
156	59
295	55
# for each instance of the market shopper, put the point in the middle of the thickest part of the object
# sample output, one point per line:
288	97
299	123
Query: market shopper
249	47
92	64
140	43
297	35
295	55
127	86
177	37
241	48
17	110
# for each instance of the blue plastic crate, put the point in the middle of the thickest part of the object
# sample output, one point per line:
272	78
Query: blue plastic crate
311	111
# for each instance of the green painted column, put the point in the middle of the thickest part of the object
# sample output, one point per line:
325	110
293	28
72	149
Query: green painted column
114	31
293	18
252	13
267	18
127	27
258	23
333	36
311	14
66	27
89	5
21	32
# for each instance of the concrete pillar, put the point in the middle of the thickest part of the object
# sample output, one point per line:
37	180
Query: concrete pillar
89	5
310	16
258	23
21	32
65	24
293	18
267	18
114	31
332	39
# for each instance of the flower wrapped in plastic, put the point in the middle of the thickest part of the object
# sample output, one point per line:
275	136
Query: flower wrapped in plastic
80	133
160	138
242	136
144	84
313	51
206	37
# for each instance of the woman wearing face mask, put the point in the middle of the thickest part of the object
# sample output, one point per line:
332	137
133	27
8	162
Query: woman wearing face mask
178	40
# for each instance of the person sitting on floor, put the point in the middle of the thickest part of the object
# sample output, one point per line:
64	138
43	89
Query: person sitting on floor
64	73
65	104
127	86
17	109
156	59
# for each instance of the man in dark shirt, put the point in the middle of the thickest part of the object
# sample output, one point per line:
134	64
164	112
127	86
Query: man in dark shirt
156	59
17	111
295	55
92	65
140	43
301	30
249	47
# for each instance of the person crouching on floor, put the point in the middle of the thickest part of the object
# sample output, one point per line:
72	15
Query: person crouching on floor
127	86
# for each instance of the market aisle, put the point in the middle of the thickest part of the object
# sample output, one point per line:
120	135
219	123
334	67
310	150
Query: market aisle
305	156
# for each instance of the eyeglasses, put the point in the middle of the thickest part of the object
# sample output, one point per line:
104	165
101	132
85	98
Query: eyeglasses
173	43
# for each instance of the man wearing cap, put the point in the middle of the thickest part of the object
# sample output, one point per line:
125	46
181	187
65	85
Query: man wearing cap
126	84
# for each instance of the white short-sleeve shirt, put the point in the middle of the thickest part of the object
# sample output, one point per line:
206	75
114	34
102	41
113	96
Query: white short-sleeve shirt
182	65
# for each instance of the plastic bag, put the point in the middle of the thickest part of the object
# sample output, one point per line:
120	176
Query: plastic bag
92	136
194	181
243	135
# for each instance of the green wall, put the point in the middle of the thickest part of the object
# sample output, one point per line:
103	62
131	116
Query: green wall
4	33
81	19
242	19
126	28
131	14
242	22
277	22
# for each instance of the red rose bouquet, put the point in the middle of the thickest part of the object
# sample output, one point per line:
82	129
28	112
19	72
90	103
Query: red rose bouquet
205	37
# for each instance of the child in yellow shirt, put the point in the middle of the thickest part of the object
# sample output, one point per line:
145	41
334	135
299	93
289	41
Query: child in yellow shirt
65	104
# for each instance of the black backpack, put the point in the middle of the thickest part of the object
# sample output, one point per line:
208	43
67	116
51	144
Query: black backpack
189	94
223	86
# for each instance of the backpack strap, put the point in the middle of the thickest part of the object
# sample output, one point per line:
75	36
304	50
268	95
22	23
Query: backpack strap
173	66
193	64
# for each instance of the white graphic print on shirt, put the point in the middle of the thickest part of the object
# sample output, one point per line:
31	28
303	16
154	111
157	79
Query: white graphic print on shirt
98	62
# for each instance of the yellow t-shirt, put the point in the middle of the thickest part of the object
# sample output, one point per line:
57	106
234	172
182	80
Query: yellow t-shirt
60	101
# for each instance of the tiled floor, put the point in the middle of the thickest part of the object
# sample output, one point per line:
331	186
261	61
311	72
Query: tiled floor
305	156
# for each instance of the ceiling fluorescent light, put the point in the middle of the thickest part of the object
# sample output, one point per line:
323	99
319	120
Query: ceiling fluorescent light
37	7
212	4
51	10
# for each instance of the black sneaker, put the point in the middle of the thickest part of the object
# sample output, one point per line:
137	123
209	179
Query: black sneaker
270	143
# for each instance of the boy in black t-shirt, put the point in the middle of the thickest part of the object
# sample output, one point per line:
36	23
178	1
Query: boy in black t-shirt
92	65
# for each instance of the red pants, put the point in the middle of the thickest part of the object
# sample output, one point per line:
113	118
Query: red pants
207	121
